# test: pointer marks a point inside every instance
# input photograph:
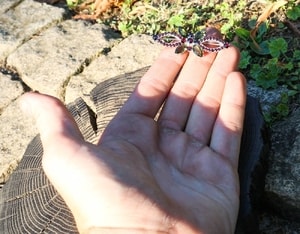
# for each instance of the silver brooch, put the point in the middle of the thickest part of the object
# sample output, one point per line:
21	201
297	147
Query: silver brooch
197	42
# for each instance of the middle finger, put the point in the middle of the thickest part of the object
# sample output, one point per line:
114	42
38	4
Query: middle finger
180	99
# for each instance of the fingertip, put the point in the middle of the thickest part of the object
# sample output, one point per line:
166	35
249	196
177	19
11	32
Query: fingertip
228	58
52	118
232	50
36	104
168	64
168	55
156	83
25	103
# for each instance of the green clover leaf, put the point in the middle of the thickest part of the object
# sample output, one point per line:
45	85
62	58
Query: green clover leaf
293	13
277	46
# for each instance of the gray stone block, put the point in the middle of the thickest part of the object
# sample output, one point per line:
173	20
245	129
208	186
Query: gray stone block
47	61
5	5
23	21
16	131
134	52
283	179
10	90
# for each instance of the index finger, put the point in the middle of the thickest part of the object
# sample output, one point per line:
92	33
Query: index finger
155	85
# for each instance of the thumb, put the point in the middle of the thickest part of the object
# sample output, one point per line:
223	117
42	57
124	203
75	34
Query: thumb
58	131
53	120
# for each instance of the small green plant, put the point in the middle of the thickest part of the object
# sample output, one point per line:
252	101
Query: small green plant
293	13
268	56
277	47
231	16
267	59
72	4
280	110
272	61
245	59
152	19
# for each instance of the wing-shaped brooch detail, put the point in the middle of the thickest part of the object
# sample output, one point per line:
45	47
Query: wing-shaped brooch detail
198	42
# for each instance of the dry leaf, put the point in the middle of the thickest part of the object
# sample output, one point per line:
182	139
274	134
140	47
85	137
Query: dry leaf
264	16
269	10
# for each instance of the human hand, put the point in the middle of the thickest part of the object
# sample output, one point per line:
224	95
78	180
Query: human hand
174	175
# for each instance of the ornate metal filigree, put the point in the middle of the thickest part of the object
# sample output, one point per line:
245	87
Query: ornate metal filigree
198	42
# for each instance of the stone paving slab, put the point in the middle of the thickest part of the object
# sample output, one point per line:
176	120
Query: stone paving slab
48	60
283	192
23	21
11	90
129	55
8	4
16	131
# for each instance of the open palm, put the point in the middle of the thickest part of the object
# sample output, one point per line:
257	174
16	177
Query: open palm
172	172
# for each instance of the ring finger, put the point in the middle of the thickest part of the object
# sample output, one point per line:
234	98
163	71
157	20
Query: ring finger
206	105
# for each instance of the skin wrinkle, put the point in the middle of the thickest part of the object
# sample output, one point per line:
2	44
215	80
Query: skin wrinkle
184	185
186	173
221	188
198	147
188	88
154	84
182	212
201	135
231	125
135	190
